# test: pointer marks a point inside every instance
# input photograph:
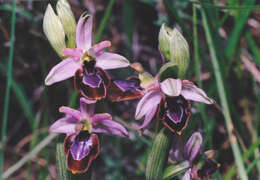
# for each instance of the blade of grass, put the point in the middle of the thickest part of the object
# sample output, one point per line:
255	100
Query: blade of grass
253	47
128	25
103	23
21	97
28	156
237	30
242	7
245	157
8	87
197	63
26	14
223	99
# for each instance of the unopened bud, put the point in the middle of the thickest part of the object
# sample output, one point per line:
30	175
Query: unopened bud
179	49
174	48
165	35
54	31
68	21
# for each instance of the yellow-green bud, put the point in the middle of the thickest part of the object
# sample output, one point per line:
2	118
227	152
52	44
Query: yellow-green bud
165	35
68	21
174	48
179	51
53	29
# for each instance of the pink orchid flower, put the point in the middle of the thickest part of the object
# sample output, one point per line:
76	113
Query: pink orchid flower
192	152
169	101
87	63
81	145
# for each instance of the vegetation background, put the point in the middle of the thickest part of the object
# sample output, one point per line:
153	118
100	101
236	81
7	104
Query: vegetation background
224	39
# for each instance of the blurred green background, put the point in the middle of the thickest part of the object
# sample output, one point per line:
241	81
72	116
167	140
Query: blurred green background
223	36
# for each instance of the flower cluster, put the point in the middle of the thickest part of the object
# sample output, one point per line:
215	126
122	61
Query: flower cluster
167	100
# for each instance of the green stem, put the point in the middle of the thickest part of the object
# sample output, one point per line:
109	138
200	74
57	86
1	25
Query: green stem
223	99
8	87
158	155
61	163
104	21
197	63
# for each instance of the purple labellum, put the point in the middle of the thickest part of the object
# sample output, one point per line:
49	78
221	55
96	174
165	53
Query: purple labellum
93	79
174	113
121	90
81	147
126	85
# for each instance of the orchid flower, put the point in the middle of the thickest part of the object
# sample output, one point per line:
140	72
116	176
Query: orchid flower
204	168
81	144
122	90
169	101
87	63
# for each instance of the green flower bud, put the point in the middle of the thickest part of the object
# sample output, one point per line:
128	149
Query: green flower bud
68	21
174	48
179	49
165	35
54	31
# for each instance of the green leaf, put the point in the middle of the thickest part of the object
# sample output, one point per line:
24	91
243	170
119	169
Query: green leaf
174	170
61	163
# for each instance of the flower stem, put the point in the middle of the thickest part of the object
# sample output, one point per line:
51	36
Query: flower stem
158	155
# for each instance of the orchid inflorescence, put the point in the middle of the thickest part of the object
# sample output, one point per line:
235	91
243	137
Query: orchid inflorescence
166	100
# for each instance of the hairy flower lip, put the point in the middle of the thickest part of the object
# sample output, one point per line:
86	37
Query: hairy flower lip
121	90
79	156
179	126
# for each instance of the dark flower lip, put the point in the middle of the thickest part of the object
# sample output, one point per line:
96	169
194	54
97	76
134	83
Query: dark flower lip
91	85
208	168
81	149
174	113
121	90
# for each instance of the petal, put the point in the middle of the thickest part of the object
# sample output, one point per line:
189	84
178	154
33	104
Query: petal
171	87
100	46
110	127
193	145
81	166
72	112
84	32
87	107
108	60
148	102
73	53
148	117
100	117
66	125
124	90
186	175
192	92
64	70
175	153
